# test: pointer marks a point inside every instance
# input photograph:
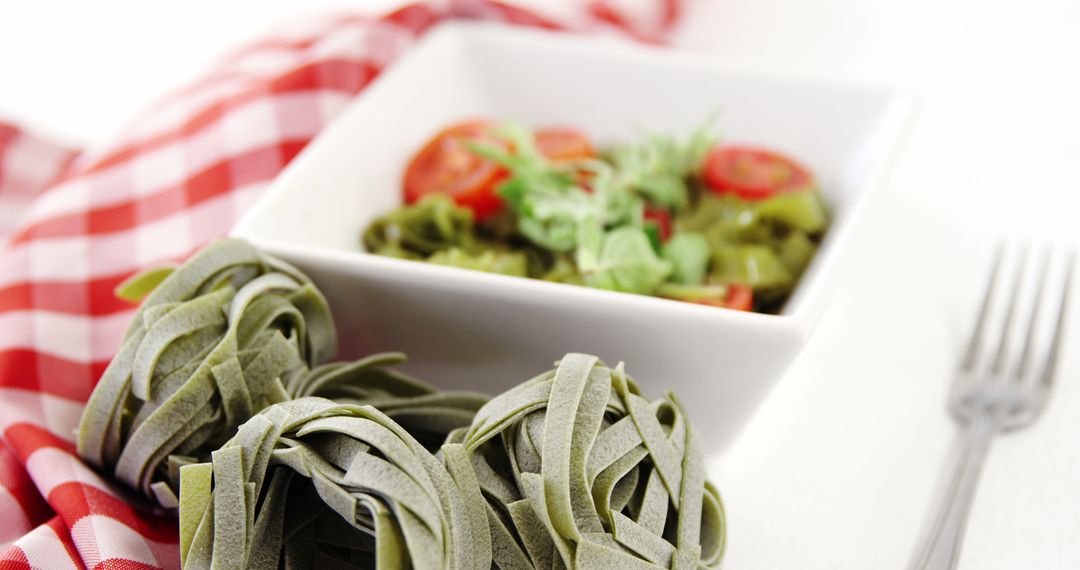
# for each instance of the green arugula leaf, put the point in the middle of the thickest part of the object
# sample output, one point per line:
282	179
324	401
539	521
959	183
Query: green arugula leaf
548	215
623	261
658	168
590	245
545	196
617	204
603	226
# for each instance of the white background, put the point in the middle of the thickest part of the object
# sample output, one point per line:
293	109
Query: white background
998	77
837	470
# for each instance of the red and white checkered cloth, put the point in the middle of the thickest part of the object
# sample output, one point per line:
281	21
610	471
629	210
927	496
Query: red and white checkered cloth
74	225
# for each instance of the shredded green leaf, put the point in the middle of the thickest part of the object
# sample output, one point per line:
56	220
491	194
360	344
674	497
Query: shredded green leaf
659	168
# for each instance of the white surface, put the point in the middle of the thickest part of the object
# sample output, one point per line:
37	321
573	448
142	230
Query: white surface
79	70
349	176
838	467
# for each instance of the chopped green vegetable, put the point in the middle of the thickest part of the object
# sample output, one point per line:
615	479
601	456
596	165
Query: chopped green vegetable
715	293
689	256
563	270
802	210
491	261
432	225
796	251
754	265
724	220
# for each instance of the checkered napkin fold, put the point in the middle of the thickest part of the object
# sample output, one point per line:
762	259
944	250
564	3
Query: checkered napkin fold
75	224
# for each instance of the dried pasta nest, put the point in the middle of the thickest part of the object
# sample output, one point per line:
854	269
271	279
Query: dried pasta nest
580	471
312	482
216	340
572	469
427	414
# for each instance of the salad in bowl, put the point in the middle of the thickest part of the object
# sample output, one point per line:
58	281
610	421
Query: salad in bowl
685	218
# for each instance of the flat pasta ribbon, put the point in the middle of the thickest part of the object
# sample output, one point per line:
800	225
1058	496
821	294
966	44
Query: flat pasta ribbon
581	471
214	341
219	338
312	482
425	412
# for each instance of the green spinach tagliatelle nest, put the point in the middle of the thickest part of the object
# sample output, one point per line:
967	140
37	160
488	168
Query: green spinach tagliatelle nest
220	402
230	332
572	469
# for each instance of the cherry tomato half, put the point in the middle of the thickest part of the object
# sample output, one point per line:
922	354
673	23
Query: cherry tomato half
751	173
563	144
446	165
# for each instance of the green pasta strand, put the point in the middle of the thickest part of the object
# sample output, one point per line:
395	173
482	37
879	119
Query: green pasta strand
419	511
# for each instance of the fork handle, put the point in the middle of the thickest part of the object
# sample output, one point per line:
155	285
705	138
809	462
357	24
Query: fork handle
940	548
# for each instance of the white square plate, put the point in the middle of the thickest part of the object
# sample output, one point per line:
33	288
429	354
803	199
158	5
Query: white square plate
466	329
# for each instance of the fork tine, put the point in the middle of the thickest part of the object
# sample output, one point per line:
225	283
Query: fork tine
972	352
1003	341
1047	378
1023	367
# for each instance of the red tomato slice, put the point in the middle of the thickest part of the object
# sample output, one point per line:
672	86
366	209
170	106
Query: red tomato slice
563	144
446	165
739	297
752	174
662	219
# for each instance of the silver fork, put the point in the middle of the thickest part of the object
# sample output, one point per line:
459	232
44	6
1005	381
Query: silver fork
994	391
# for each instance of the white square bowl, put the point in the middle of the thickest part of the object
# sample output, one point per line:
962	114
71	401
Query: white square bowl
465	329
